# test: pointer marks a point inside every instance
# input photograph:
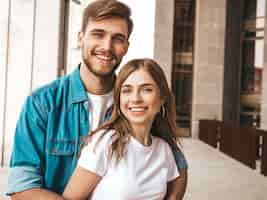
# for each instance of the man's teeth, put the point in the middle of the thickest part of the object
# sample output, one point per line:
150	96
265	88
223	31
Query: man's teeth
106	58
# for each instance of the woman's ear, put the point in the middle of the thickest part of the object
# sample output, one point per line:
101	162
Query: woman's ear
162	102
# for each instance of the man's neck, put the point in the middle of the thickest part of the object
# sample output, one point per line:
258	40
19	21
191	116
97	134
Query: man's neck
96	84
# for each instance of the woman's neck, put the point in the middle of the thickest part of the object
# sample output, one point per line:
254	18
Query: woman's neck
142	134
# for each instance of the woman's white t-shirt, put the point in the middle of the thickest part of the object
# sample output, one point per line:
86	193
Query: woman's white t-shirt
142	173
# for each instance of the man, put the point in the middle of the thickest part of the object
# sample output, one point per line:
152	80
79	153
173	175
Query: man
56	118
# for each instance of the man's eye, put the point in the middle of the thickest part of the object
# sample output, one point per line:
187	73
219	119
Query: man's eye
96	34
119	39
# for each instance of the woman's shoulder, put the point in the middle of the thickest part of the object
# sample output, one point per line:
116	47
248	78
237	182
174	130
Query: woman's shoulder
163	145
102	135
159	142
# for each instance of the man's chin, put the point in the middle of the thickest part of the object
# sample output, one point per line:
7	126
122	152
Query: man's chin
102	69
103	74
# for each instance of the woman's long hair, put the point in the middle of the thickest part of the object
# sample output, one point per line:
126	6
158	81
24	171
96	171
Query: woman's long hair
163	126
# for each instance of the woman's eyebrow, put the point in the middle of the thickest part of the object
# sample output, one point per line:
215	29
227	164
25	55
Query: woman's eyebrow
140	85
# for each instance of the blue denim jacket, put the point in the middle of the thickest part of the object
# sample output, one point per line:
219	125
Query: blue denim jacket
50	132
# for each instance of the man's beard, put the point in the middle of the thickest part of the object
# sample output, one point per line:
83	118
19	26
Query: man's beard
99	74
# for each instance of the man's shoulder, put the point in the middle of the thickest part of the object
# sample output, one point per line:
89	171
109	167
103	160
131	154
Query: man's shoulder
52	87
52	92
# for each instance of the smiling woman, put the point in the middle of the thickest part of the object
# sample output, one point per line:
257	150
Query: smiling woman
138	135
140	101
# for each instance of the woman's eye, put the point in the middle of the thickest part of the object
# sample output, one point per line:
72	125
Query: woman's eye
147	89
124	91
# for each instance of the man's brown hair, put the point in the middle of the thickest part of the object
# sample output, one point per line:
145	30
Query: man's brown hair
103	9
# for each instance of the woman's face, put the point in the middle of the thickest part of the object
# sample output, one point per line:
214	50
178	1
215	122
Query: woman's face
140	98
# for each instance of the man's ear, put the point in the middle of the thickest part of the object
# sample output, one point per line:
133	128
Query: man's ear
80	39
127	47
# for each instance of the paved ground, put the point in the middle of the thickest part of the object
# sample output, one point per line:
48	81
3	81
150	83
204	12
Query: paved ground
215	176
212	176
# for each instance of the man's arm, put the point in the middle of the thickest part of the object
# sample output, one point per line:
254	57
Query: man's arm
26	166
36	194
176	188
180	183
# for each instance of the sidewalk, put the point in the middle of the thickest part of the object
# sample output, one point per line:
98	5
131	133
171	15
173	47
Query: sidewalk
215	176
212	176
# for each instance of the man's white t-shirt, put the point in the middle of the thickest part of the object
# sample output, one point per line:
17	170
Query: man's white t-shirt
142	173
99	104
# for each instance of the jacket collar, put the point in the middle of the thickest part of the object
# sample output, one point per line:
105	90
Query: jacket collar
78	92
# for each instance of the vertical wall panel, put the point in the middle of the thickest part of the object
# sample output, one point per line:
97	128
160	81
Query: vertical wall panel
33	56
4	10
163	48
74	24
46	40
19	68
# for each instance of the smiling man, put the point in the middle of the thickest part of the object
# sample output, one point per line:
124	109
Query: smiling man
56	118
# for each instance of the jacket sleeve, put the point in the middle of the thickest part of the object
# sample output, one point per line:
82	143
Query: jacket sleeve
27	160
179	159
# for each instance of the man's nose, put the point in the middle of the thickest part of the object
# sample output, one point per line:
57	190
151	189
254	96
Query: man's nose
107	43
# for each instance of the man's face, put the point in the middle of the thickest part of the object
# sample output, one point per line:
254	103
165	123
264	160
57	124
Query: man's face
103	45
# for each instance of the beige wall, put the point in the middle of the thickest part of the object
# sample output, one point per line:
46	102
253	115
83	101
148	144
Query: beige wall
208	61
163	48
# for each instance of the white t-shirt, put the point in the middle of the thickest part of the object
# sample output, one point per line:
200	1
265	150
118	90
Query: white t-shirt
99	105
143	173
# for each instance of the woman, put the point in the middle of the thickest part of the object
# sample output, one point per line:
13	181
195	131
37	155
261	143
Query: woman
130	156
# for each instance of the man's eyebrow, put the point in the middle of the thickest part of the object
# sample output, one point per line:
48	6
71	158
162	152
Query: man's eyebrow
97	30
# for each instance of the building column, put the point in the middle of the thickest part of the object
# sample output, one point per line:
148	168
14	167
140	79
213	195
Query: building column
263	123
163	45
208	72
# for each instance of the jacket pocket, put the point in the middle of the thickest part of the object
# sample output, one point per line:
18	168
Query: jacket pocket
60	147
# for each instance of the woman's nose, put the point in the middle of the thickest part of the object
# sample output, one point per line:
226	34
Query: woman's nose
136	96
